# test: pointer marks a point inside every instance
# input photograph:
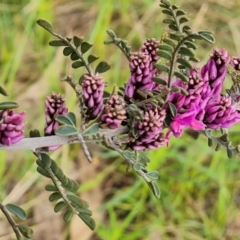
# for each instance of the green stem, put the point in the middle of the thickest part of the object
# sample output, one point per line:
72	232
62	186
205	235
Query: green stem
11	221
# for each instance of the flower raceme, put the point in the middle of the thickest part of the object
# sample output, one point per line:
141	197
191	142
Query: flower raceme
11	127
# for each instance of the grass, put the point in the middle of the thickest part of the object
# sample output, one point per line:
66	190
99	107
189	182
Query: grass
200	187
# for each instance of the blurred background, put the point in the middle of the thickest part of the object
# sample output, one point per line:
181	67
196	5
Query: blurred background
200	188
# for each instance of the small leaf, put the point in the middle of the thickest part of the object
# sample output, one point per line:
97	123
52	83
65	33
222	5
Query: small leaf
159	80
77	202
166	2
169	42
153	175
72	186
173	109
164	54
110	41
26	231
77	41
207	37
184	62
67	51
92	58
91	130
165	47
78	64
8	105
80	81
168	21
71	116
74	56
2	91
167	12
128	155
46	160
137	167
88	220
210	142
183	20
57	43
85	47
59	174
186	29
66	130
182	76
218	147
68	215
173	27
180	13
186	52
193	59
162	67
155	189
17	211
229	153
43	172
54	197
59	206
63	120
45	24
176	37
102	67
54	167
51	188
34	133
190	45
111	33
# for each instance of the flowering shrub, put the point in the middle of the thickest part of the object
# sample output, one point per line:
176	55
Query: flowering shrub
166	93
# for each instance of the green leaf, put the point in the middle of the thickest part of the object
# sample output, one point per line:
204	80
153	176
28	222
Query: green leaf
111	33
173	27
8	105
16	210
91	130
229	153
77	41
168	21
71	186
77	202
26	231
164	54
210	142
57	43
54	167
166	3
43	172
190	45
87	220
55	197
66	130
207	37
85	47
167	12
193	59
159	80
169	42
184	62
71	116
186	52
102	67
165	47
137	167
74	56
173	109
34	133
186	29
155	189
59	174
182	76
46	160
153	175
180	13
2	91
64	120
59	206
78	64
51	188
92	58
128	155
68	216
67	51
45	24
162	67
176	37
183	20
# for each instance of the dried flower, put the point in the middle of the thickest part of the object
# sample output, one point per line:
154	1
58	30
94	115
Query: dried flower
114	112
11	127
92	87
149	130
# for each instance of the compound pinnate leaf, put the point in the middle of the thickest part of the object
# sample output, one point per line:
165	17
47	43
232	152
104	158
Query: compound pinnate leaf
26	231
8	105
91	130
102	67
57	43
55	196
85	47
45	24
59	206
68	215
17	211
66	130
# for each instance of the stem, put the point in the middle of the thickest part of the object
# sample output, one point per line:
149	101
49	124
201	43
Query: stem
11	221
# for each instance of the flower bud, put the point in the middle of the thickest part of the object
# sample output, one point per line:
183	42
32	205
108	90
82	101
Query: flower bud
150	47
92	88
11	127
